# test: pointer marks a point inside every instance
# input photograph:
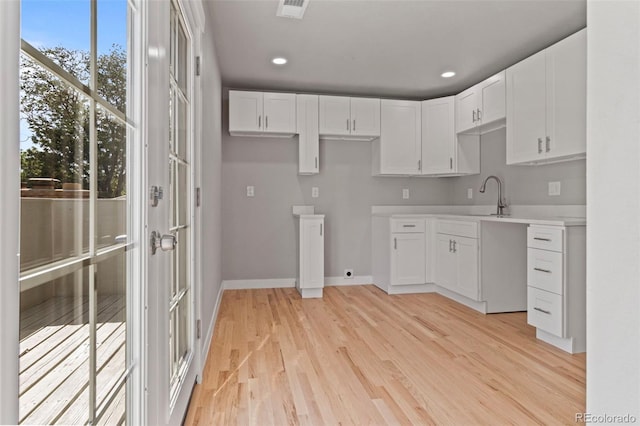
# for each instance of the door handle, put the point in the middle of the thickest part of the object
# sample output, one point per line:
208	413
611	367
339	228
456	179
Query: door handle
266	121
539	145
321	230
259	121
479	114
354	124
316	162
454	246
473	114
450	245
166	242
548	143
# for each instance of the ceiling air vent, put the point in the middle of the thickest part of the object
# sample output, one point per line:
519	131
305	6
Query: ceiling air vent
292	8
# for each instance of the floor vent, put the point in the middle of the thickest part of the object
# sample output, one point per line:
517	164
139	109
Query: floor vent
292	8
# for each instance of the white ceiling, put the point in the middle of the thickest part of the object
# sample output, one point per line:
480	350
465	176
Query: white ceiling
389	48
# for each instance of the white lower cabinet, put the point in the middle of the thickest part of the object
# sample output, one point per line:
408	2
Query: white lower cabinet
457	258
556	295
310	280
408	258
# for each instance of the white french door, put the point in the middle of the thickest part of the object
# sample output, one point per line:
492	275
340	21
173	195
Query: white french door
171	272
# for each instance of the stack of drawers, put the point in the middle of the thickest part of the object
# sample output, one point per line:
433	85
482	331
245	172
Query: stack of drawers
546	279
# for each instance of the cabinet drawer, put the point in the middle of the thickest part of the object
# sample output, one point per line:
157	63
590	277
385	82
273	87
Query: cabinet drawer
545	237
456	227
545	270
407	225
544	311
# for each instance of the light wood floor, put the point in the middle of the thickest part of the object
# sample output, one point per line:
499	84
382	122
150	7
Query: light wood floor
360	356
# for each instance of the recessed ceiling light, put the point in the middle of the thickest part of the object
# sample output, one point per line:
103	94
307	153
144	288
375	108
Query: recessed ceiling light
448	74
279	61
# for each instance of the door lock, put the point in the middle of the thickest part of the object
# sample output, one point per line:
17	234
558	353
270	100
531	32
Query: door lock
165	242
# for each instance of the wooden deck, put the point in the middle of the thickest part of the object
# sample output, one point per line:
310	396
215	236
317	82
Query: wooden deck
54	361
359	356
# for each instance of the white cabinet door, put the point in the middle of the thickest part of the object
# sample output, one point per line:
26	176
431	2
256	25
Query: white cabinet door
492	93
526	110
400	139
445	262
408	258
308	139
365	117
566	97
466	258
438	135
467	109
279	113
245	111
335	115
312	253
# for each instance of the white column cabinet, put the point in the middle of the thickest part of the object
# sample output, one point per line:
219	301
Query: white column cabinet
349	118
262	114
398	151
546	104
481	108
310	280
308	137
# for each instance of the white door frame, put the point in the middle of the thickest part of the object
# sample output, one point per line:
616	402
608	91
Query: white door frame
10	211
156	113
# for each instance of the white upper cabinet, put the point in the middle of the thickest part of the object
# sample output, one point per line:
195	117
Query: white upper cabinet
481	108
308	138
349	118
262	114
444	152
546	104
398	150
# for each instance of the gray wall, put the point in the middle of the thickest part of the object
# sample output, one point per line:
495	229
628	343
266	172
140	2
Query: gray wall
211	183
522	184
258	235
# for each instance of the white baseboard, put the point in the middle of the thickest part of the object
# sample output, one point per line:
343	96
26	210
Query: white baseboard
212	326
356	280
257	284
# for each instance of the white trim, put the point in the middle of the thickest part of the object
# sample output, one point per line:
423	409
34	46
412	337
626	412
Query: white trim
204	349
310	293
473	304
341	281
257	284
10	212
567	344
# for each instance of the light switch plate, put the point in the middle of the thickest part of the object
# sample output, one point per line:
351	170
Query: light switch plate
470	193
554	188
405	194
315	192
251	191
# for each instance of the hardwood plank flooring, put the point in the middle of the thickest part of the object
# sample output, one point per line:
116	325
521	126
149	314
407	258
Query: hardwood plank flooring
360	356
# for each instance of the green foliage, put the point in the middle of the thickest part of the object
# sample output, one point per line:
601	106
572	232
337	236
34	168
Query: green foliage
59	119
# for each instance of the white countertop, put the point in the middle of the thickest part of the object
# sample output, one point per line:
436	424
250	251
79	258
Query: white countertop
531	215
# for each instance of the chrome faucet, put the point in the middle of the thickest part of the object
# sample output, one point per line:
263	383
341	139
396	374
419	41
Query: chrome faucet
501	204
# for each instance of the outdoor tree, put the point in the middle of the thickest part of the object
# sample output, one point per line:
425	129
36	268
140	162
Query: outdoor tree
58	118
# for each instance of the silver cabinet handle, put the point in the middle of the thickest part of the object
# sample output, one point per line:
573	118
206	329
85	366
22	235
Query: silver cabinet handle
548	143
419	164
473	114
354	124
266	121
347	124
259	121
454	246
542	239
451	163
450	246
539	145
542	310
542	270
320	229
408	226
395	244
316	162
479	115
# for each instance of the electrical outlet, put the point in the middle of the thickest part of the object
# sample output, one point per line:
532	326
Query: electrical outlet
315	192
251	191
554	188
470	193
405	194
348	273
